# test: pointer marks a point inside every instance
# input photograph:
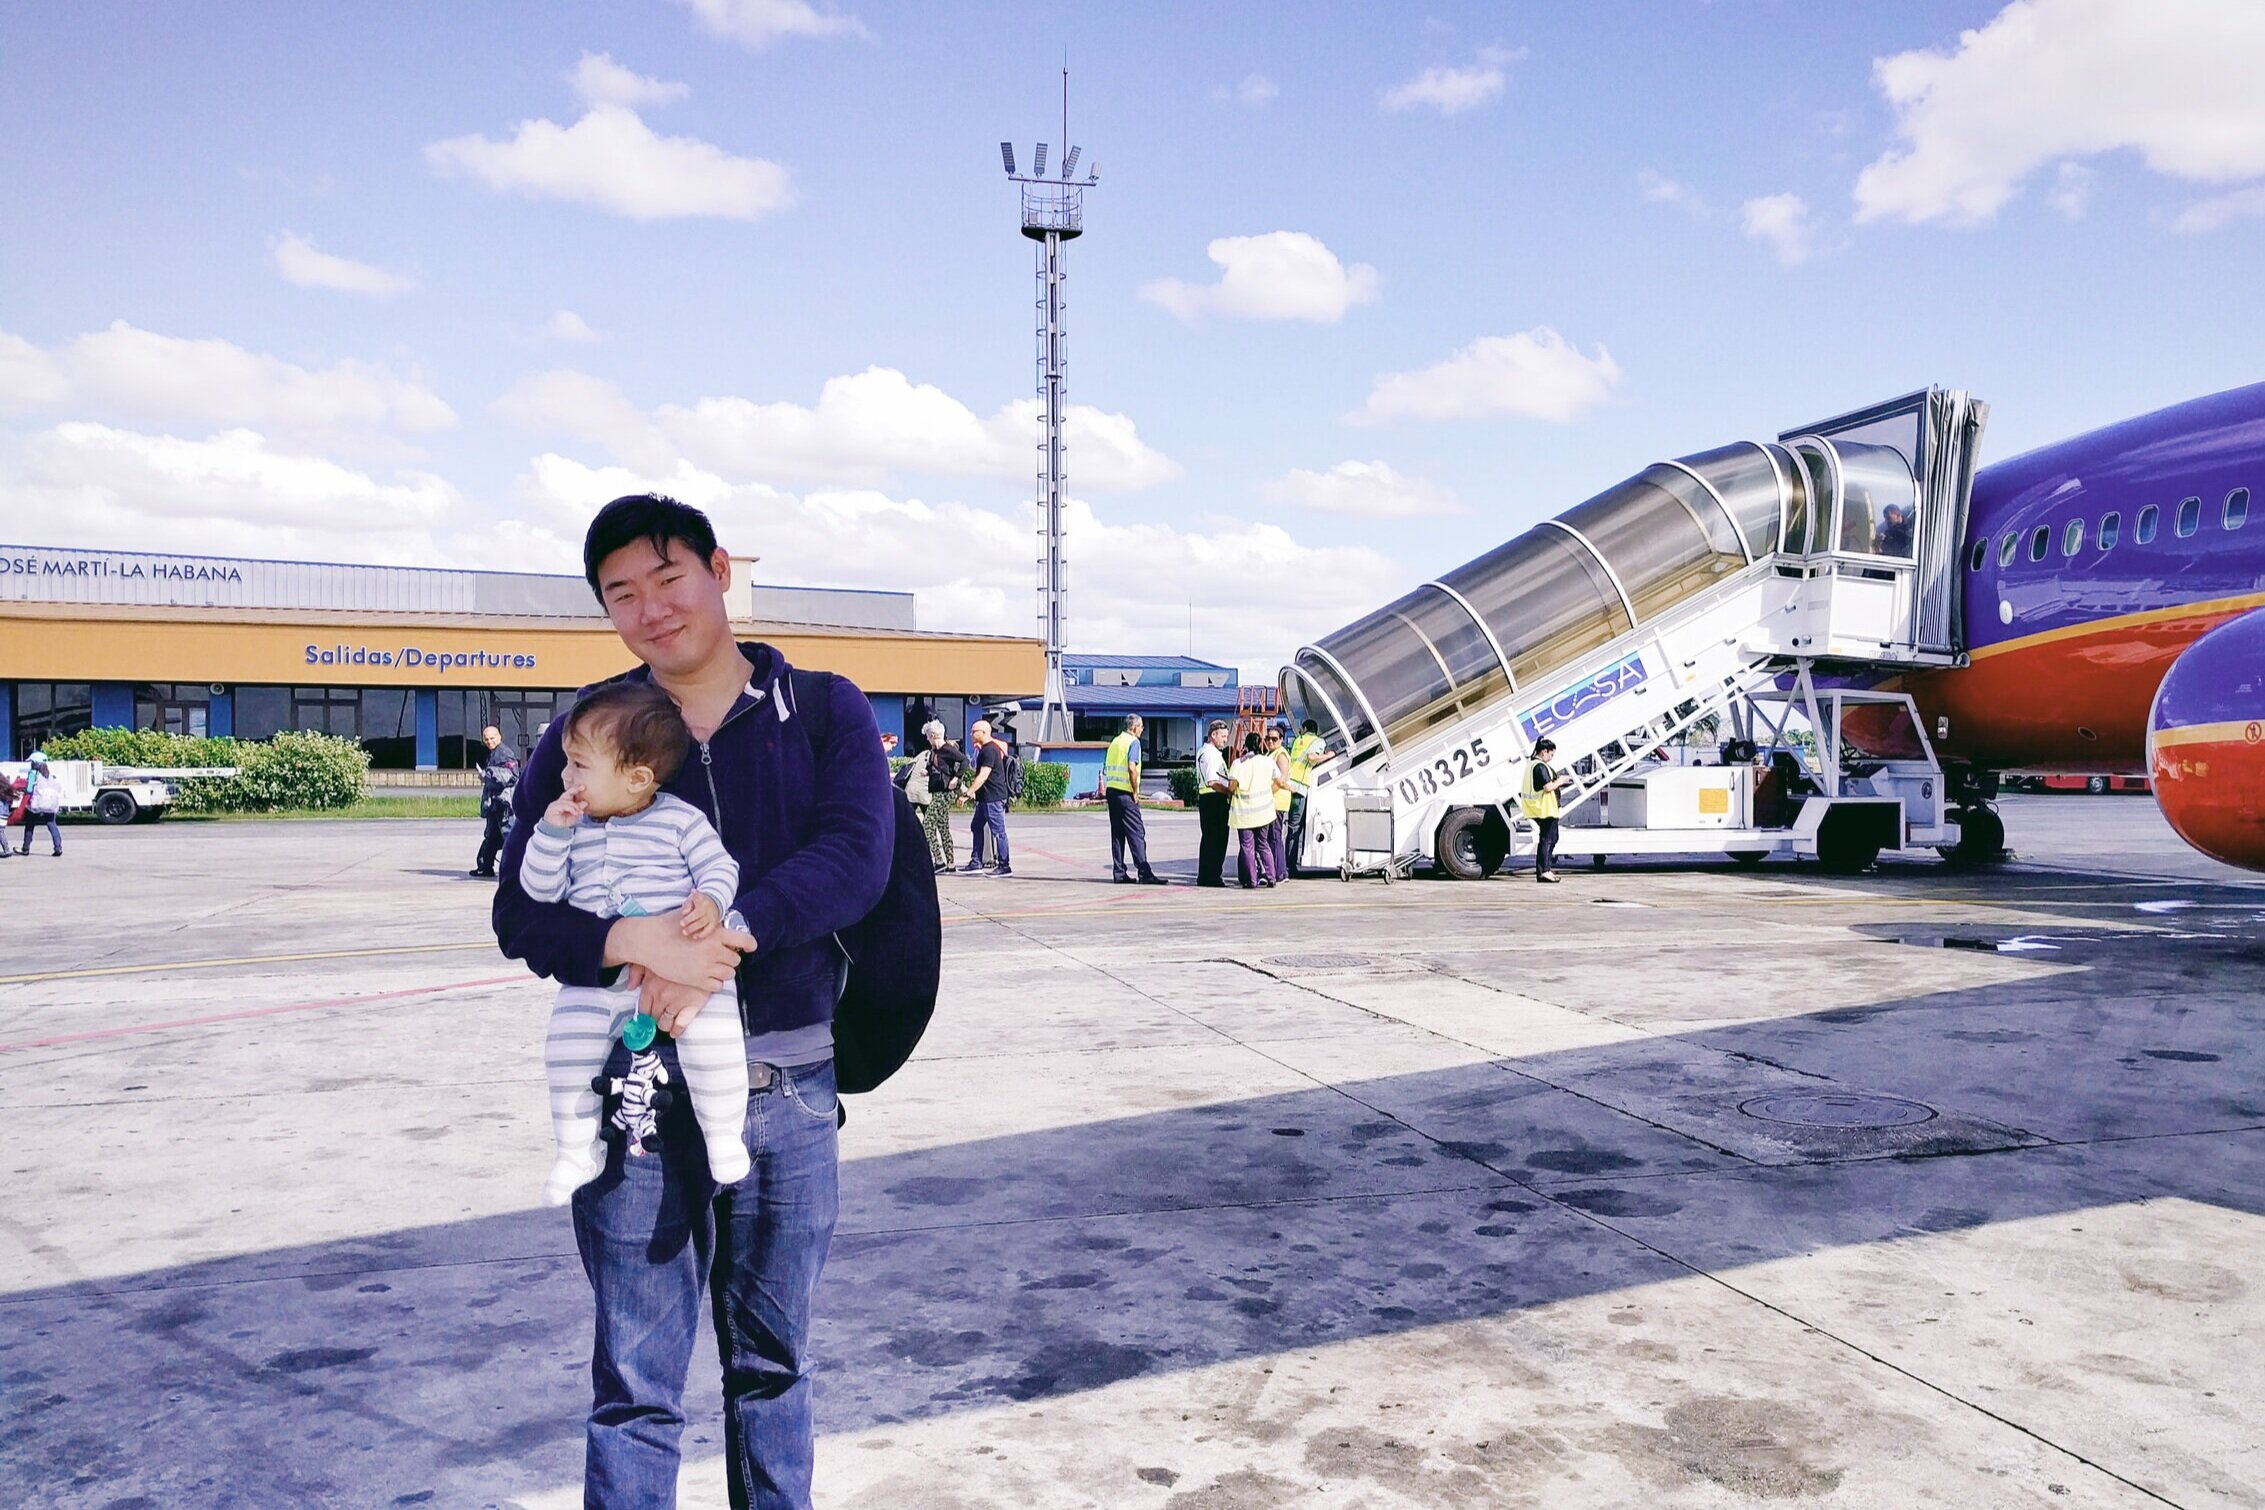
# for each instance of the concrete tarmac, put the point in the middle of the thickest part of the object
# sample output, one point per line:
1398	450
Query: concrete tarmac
1675	1186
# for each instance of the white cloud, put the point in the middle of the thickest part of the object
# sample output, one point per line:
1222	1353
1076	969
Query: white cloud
238	493
971	567
599	80
1782	220
610	159
761	22
865	428
141	375
1451	91
1282	275
2173	80
299	262
235	476
1535	374
566	325
1361	490
2072	190
1657	188
2209	214
1256	90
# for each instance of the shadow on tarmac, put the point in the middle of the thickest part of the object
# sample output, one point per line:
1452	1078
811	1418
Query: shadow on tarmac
449	1359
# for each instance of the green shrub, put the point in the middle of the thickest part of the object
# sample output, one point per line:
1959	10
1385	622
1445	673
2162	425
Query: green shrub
303	771
142	747
1185	786
1044	783
150	749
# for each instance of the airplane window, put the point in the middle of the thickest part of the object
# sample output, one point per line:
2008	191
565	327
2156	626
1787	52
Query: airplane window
2007	546
2111	529
2189	516
2072	538
1981	555
2039	541
2237	508
2144	530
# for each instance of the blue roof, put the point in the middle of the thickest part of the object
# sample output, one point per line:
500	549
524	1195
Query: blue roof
1086	699
1141	663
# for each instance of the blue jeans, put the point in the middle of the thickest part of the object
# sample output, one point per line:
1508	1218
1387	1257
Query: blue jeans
33	821
653	1231
991	818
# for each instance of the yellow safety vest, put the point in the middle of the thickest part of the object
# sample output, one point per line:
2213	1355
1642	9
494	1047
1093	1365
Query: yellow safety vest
1536	802
1116	766
1301	764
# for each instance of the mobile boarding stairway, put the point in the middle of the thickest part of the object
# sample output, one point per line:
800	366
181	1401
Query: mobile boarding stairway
1748	594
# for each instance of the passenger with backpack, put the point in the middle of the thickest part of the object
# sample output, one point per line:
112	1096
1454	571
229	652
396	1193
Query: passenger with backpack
997	781
930	779
835	973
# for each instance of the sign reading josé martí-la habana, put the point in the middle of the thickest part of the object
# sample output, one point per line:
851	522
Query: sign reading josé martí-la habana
153	579
87	565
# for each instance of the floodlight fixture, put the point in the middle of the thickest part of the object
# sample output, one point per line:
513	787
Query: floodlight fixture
1038	164
1069	163
1007	156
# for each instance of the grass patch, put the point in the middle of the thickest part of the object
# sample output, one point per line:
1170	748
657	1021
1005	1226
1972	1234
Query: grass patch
466	806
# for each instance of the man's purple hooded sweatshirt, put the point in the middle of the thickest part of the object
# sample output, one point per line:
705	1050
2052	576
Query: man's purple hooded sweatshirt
812	829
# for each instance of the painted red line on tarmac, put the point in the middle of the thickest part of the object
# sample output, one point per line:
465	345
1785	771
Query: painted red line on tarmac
251	1012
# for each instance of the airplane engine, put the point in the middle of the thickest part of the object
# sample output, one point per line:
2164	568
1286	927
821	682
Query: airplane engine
2206	743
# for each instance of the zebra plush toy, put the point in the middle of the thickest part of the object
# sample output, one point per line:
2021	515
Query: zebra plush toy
639	1097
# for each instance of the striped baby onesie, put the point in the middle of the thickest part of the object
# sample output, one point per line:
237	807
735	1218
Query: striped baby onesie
641	864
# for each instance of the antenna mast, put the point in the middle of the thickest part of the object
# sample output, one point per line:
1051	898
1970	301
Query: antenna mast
1053	214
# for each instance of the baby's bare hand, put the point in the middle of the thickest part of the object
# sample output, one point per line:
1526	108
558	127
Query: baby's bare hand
567	810
699	915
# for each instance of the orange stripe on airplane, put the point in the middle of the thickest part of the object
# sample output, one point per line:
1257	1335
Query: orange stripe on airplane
2234	731
2212	609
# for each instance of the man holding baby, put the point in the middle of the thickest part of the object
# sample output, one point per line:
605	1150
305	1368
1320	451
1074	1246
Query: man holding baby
808	822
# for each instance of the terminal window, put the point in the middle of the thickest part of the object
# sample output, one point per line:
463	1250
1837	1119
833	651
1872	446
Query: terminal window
384	719
173	707
519	713
48	710
954	713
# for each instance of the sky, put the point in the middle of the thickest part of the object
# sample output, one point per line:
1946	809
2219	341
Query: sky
1365	289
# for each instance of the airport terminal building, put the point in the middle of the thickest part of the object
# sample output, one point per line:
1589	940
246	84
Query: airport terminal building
411	661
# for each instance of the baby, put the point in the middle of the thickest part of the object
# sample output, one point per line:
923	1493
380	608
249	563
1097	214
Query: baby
616	845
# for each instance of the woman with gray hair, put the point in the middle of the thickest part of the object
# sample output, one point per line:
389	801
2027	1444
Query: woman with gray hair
932	788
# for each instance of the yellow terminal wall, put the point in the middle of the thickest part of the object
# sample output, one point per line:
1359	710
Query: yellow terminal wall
125	645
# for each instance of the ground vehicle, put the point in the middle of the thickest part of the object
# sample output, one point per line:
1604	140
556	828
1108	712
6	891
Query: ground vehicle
1758	589
115	794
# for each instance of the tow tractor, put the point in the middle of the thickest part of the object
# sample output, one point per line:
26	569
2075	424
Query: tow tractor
1757	596
117	794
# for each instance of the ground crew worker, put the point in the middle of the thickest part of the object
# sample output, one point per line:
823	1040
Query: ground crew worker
1120	788
499	776
1538	796
1214	789
1306	752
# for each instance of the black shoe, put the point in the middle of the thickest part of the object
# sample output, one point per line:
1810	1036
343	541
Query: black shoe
1219	884
484	875
1122	879
971	868
1002	871
1154	880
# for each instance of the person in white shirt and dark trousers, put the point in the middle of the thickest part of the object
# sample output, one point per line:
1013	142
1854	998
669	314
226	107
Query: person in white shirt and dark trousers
1214	791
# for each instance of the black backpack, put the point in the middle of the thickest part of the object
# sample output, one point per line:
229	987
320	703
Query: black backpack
896	951
1010	775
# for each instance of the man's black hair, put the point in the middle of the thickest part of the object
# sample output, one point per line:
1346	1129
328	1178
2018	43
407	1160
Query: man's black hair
1310	727
651	517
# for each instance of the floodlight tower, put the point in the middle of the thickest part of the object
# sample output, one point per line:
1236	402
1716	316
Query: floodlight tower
1053	212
